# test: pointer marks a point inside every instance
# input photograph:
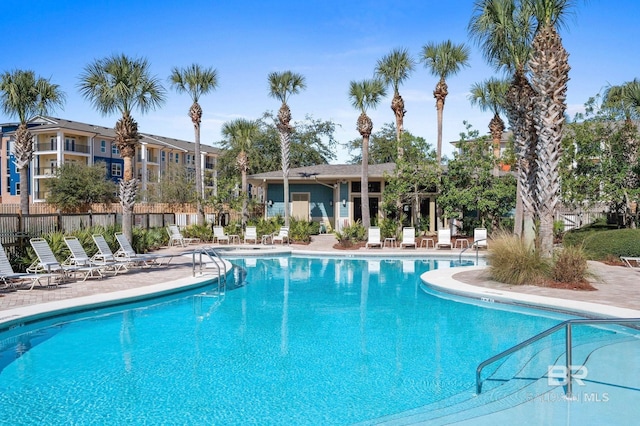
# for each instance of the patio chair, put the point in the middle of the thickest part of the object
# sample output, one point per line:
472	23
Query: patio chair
251	234
409	238
444	239
126	252
12	279
480	238
47	263
281	235
374	238
219	235
631	262
79	257
176	237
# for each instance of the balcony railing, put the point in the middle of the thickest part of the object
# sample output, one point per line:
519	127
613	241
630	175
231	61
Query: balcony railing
53	146
46	146
45	171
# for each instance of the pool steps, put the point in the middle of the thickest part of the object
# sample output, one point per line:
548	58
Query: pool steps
529	383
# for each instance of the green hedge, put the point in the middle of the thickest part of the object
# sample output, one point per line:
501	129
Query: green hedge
614	243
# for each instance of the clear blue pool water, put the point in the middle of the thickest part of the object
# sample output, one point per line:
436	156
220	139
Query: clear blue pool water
300	341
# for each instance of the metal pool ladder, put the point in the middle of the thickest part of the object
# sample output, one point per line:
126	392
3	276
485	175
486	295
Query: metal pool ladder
216	260
474	244
567	325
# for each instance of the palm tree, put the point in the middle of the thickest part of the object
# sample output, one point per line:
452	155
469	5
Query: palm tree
549	65
239	135
281	85
394	69
24	95
365	94
119	84
491	95
443	60
504	31
196	81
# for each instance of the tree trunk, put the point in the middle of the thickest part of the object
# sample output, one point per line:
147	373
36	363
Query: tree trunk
550	73
364	190
245	199
284	148
199	185
397	105
24	190
440	93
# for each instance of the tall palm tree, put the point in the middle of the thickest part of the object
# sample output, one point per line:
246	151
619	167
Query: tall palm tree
365	94
239	135
394	69
491	95
443	60
23	95
119	84
549	65
504	31
281	85
196	81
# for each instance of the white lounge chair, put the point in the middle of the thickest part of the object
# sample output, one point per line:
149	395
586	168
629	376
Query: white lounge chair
47	263
281	235
444	239
126	252
480	237
219	235
251	234
373	239
79	257
408	238
631	262
176	237
12	279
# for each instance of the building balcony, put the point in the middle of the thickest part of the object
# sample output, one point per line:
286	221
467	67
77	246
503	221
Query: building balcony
45	171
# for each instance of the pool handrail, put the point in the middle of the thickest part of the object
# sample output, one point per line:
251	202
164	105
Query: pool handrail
474	245
568	345
213	255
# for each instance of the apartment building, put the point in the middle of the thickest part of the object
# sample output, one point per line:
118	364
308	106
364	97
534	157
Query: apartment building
58	141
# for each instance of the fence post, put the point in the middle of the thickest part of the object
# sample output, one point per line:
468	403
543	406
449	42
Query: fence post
90	219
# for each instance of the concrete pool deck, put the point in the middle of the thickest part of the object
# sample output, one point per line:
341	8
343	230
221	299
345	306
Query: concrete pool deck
618	288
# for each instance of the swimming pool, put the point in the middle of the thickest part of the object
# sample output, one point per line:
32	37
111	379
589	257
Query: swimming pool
300	341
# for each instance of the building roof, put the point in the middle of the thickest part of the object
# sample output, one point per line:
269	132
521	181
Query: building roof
328	172
44	123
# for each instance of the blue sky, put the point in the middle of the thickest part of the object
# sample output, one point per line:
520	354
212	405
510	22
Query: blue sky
330	42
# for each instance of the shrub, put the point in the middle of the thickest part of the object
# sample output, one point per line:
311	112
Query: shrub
300	230
576	237
570	265
351	234
613	243
204	232
388	228
511	261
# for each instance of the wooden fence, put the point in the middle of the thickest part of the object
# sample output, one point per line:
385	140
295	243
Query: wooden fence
17	228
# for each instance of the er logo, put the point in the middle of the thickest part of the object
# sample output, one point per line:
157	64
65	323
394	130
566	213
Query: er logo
557	374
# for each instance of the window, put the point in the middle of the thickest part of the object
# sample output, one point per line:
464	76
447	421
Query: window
177	158
188	158
69	144
52	143
116	169
103	146
115	150
18	188
163	156
171	156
